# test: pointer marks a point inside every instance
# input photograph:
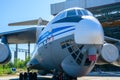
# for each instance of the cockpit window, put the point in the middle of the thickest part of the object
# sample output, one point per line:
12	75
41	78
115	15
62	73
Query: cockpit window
79	12
71	13
84	12
60	16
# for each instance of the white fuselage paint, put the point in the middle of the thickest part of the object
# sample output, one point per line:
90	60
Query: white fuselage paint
49	53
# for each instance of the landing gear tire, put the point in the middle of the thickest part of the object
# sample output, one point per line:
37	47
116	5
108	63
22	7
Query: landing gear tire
63	76
21	76
28	76
25	76
35	76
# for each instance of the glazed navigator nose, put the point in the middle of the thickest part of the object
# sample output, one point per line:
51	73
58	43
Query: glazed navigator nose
89	31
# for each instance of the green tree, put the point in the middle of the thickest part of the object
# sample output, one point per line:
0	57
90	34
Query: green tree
18	64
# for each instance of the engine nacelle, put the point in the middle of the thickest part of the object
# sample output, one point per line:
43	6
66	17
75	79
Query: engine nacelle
5	54
109	54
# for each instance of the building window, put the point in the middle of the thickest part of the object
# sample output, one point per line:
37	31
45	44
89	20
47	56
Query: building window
74	56
81	56
79	61
66	43
77	52
63	45
70	50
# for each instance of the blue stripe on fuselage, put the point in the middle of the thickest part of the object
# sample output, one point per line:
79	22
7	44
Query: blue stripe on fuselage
64	32
46	34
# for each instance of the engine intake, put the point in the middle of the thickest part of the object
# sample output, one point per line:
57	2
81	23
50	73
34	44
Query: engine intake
5	54
109	53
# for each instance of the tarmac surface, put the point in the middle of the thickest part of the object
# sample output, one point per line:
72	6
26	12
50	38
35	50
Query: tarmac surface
91	76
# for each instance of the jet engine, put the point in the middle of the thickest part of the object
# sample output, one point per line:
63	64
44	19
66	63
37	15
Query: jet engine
5	54
109	54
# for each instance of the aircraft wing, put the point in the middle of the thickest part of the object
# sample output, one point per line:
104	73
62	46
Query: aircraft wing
111	40
20	35
26	35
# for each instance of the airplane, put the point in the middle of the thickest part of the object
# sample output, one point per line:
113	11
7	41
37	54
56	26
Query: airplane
68	46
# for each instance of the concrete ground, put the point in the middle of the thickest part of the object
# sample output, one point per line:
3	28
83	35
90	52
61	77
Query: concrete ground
91	76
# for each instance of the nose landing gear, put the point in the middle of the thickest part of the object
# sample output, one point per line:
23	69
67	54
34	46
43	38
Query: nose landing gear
62	76
28	75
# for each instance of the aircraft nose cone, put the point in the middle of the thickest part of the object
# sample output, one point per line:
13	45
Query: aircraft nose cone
89	31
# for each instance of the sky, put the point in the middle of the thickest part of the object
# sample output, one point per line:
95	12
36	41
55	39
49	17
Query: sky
21	10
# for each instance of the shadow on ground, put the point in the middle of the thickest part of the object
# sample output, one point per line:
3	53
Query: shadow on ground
39	78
